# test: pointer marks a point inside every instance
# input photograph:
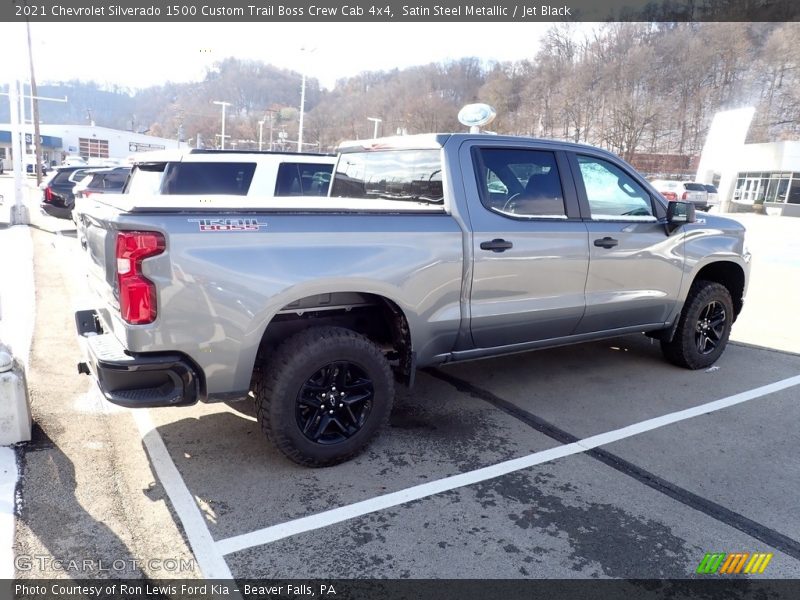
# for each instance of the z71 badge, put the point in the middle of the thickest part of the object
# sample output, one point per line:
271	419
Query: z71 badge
228	224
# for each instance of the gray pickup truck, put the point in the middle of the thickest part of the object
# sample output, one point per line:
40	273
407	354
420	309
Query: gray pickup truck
427	250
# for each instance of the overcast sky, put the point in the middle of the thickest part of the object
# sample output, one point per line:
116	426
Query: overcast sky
142	54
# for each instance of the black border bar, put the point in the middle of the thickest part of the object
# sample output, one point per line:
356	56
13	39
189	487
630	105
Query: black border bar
372	11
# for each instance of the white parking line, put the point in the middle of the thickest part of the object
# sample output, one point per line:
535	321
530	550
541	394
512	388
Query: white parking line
212	564
358	509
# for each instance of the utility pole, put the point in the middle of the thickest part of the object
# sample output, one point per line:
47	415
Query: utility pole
19	212
35	102
260	134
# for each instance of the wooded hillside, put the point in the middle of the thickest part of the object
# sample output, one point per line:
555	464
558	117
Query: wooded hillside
630	87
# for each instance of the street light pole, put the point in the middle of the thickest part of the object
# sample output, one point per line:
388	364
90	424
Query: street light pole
223	105
302	110
375	120
302	103
260	134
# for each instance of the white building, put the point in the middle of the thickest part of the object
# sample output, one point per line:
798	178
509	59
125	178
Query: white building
88	141
768	174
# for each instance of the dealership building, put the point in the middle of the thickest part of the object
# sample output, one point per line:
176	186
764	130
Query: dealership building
88	141
768	174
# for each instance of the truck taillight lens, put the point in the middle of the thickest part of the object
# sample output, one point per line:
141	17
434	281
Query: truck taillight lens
671	196
137	294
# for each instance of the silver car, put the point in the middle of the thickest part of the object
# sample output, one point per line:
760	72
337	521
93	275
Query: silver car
684	191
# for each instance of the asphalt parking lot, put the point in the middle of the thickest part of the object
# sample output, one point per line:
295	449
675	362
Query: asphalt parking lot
438	494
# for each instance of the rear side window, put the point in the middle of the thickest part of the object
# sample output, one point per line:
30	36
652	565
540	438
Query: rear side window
113	180
402	175
303	179
183	178
518	182
64	176
145	179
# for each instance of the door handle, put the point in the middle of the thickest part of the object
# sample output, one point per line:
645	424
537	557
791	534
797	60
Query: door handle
606	242
496	245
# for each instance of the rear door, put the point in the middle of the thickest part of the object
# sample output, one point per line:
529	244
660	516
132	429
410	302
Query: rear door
635	268
528	242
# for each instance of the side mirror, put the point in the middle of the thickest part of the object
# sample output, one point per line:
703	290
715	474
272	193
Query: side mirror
679	213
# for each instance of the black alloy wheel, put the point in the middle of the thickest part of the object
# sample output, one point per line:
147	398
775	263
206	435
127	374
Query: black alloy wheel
334	403
323	395
710	327
703	327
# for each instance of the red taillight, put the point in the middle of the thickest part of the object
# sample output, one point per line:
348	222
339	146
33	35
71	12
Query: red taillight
685	195
48	194
671	196
137	294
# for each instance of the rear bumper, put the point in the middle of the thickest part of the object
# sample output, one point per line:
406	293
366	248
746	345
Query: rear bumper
135	380
59	212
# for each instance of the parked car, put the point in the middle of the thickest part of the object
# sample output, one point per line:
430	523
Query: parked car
240	173
685	191
713	194
31	170
74	161
58	198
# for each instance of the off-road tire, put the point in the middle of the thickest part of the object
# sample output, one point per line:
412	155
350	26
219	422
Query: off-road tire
277	387
684	348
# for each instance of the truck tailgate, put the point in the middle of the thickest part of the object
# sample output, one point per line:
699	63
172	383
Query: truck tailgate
97	236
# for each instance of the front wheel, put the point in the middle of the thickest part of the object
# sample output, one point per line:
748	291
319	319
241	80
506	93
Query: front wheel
703	327
325	393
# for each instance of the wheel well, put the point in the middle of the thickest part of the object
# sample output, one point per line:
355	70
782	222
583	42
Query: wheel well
371	315
731	276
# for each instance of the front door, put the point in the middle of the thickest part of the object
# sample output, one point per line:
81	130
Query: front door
635	268
529	246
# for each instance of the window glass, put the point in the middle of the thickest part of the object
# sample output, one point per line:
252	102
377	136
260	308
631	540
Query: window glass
182	178
612	193
520	183
695	187
93	148
303	179
145	179
403	175
116	179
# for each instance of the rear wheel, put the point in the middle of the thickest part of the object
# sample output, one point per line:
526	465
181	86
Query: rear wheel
323	396
703	328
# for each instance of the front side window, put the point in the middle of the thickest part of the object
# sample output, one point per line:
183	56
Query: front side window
402	175
519	183
612	193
